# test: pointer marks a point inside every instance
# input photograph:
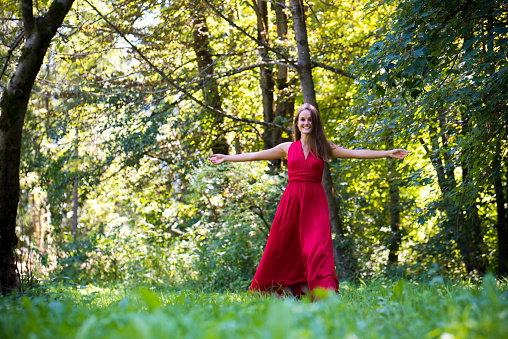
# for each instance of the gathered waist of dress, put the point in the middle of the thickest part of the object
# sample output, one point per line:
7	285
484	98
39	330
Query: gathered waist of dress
305	176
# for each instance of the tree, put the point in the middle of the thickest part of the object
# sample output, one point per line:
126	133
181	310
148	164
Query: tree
282	107
304	68
394	206
38	33
444	62
206	68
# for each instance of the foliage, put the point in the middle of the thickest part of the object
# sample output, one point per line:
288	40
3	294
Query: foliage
438	77
149	209
379	309
214	240
113	255
235	206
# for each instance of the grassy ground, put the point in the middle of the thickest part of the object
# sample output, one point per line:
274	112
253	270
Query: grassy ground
378	309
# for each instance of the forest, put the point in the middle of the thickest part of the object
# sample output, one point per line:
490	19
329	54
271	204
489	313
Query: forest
114	224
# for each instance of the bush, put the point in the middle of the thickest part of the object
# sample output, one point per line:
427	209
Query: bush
237	204
222	227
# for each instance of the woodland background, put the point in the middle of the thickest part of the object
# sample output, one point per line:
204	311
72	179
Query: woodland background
133	96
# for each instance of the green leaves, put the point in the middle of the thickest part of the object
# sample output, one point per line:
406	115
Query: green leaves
398	290
442	60
150	298
146	198
236	204
377	309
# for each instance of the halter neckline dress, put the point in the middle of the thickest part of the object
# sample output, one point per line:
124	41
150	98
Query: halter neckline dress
299	255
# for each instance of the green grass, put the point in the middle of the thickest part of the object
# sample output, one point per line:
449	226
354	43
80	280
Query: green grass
378	309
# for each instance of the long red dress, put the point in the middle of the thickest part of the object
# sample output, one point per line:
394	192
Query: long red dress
299	253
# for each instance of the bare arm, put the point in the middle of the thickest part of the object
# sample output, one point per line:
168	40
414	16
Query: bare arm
339	152
276	152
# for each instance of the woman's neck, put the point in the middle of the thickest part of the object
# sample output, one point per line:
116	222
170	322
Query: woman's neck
304	139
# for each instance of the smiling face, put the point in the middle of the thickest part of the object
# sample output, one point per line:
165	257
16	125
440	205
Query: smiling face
305	122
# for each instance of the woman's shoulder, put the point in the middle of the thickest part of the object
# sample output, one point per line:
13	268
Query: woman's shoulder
285	146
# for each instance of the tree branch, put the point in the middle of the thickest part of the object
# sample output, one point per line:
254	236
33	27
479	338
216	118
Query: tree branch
424	146
282	55
261	215
176	232
155	156
313	13
278	3
261	43
332	69
10	19
328	4
235	71
246	68
28	16
10	51
178	87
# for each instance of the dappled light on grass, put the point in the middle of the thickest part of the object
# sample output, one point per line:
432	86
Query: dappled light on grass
375	309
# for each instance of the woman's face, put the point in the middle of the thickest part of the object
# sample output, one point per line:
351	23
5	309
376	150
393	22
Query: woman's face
305	122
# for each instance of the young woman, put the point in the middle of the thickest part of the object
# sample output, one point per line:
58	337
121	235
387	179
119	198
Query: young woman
298	256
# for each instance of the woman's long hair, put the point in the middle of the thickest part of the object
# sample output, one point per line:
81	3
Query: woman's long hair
318	143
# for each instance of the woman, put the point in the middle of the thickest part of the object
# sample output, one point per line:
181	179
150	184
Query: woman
298	255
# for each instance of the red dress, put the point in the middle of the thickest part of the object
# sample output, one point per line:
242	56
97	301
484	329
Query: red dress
299	253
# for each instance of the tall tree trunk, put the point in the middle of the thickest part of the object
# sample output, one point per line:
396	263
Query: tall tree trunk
39	32
304	65
75	200
470	237
265	73
35	227
309	96
285	104
462	223
75	209
210	87
502	218
40	235
504	238
394	206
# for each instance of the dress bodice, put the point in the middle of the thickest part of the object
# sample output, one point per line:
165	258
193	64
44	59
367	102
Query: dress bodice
301	169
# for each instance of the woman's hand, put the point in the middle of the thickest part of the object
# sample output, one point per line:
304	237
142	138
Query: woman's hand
217	159
398	153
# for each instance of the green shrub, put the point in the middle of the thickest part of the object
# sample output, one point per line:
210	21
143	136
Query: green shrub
237	203
222	230
375	309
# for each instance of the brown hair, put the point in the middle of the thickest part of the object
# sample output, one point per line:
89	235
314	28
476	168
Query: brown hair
318	143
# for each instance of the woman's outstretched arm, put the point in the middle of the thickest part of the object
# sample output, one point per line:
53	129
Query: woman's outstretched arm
339	152
276	152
